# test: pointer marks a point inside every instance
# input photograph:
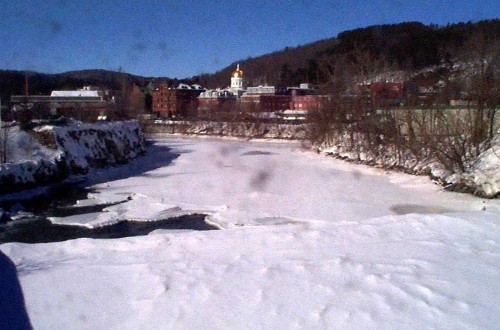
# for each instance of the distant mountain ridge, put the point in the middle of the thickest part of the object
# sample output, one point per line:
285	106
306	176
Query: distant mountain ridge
406	46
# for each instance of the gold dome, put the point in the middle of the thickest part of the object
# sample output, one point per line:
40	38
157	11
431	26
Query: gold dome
238	73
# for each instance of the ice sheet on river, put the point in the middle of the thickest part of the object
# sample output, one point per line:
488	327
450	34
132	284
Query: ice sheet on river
136	208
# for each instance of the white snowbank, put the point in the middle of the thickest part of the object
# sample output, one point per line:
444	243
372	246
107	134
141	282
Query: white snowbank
485	173
86	145
75	149
22	147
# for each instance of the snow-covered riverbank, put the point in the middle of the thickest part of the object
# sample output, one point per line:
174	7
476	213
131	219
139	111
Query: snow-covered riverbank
308	242
67	149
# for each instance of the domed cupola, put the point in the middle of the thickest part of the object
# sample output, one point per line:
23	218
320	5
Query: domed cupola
237	83
238	73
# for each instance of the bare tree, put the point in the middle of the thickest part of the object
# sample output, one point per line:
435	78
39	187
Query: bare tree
122	99
4	142
348	107
484	83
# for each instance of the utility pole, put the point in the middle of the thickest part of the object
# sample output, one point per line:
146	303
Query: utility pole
3	137
26	83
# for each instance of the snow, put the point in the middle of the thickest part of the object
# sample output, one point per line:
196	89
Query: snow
486	171
482	176
232	129
76	147
246	183
22	146
108	143
80	93
132	210
307	241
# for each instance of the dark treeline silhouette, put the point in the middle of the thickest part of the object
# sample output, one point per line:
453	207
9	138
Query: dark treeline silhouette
407	46
13	82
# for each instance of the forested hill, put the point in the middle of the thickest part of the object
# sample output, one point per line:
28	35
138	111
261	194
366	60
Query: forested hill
13	82
404	46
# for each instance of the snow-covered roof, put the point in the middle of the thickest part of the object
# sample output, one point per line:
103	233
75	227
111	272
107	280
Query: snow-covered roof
294	112
184	86
217	93
80	93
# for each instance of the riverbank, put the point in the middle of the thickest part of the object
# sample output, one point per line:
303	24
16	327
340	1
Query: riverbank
74	148
249	130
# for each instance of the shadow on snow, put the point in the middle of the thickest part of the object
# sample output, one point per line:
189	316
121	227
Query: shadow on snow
12	308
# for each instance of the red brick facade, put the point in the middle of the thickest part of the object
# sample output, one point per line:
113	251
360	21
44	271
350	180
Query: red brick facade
270	103
173	102
164	102
305	102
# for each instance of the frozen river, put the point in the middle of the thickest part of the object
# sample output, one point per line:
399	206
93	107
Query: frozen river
256	183
307	241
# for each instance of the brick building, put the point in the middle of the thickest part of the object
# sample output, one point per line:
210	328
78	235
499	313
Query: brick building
272	103
216	101
181	101
381	94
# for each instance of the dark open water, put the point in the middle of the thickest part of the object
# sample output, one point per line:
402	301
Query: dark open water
34	227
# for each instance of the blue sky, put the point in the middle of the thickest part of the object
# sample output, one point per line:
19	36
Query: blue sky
185	38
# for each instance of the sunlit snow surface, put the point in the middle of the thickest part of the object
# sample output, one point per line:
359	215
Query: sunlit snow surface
308	242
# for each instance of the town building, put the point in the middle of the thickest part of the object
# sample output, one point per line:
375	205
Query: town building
238	82
214	102
171	102
264	99
86	104
376	95
256	101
